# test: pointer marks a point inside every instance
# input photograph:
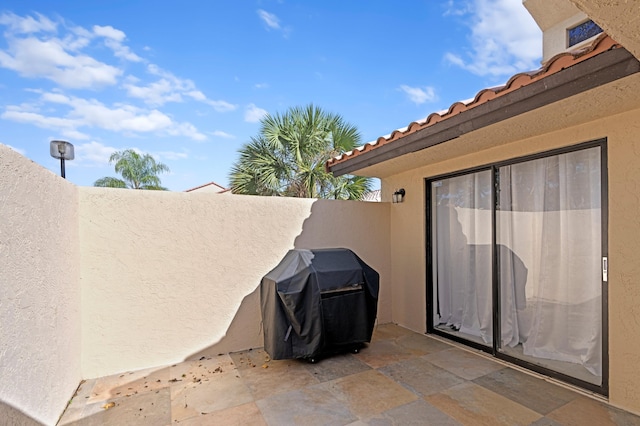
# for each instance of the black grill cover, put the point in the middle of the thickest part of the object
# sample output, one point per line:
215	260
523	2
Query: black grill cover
317	301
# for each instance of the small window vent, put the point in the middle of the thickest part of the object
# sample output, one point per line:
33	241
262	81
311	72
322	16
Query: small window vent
582	32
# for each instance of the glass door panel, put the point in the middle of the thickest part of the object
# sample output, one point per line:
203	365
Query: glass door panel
462	256
550	244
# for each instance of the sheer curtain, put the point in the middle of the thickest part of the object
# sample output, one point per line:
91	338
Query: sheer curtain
548	251
462	255
550	217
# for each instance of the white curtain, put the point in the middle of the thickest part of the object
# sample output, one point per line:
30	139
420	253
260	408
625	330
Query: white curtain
462	265
549	253
550	216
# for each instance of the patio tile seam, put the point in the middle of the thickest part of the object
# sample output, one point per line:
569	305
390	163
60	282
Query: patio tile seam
583	392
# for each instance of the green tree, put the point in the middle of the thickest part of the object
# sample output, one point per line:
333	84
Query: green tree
138	171
288	157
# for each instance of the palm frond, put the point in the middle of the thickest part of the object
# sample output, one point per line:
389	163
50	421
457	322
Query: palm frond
288	155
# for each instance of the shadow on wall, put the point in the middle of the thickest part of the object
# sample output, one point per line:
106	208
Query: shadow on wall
10	415
246	321
359	226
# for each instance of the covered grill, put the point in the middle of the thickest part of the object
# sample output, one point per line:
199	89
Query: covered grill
317	302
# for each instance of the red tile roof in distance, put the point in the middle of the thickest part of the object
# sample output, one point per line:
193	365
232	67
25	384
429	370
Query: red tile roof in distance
559	62
208	184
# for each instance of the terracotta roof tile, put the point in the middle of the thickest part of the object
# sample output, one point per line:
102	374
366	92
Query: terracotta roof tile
559	62
208	184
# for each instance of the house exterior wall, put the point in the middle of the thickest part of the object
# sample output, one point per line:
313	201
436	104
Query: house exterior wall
554	40
408	237
171	276
619	19
40	363
555	17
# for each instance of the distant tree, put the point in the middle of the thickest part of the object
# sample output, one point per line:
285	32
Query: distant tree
138	171
288	157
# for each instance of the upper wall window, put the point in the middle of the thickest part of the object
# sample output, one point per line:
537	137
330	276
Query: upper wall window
582	32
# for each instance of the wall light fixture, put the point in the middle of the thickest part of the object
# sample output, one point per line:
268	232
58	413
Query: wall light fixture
398	196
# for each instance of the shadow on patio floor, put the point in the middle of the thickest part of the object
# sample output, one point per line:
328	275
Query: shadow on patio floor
401	378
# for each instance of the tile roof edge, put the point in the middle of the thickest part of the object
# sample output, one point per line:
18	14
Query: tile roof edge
600	44
207	184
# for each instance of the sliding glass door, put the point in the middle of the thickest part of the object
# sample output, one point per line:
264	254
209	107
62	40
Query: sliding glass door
517	252
462	224
550	216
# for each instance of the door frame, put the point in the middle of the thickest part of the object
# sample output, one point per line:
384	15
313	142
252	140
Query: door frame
602	389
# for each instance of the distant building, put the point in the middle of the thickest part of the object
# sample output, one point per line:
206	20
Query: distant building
372	196
210	187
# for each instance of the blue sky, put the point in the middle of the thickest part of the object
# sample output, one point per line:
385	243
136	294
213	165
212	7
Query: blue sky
189	81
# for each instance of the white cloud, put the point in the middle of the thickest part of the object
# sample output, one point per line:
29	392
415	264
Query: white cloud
122	51
121	118
197	95
170	88
188	130
27	24
93	154
270	20
454	59
171	155
253	114
221	106
156	93
221	134
261	85
457	8
109	32
113	40
67	127
38	47
34	52
419	95
35	58
504	39
96	154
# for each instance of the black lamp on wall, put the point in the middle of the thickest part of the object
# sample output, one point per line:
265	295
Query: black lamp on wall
398	196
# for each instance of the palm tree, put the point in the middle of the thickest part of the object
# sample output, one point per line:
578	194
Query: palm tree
138	171
288	157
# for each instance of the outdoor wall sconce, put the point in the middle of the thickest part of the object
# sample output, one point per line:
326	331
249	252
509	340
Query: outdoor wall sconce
398	196
62	150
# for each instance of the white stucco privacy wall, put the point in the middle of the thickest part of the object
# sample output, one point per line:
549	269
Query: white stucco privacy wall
39	292
169	276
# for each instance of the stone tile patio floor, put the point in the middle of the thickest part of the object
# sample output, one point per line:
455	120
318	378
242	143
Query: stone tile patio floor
401	378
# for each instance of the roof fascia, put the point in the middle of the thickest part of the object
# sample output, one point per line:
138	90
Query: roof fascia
586	75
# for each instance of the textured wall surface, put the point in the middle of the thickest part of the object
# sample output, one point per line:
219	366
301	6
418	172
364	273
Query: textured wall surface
554	17
408	240
618	18
169	276
624	261
39	291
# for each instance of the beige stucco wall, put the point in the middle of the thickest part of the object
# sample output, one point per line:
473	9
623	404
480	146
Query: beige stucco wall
555	39
619	19
554	17
408	237
170	276
39	292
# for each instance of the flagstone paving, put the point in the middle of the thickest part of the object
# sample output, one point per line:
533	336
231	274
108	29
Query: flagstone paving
401	378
